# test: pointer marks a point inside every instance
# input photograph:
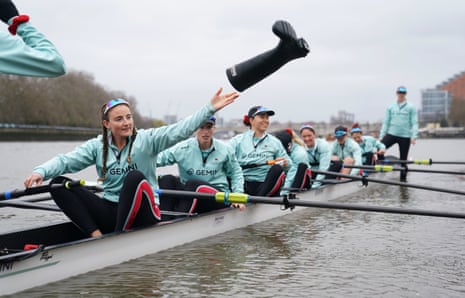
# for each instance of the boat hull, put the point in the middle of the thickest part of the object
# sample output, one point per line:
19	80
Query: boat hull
55	261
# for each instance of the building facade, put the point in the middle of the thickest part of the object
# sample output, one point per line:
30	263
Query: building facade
435	106
455	86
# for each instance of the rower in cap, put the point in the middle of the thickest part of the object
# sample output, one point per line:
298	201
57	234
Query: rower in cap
318	151
205	164
344	151
261	155
371	147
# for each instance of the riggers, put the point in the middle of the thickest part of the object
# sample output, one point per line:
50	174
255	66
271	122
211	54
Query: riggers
245	74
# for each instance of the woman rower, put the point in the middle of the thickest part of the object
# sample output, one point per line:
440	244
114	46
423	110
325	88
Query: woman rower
370	146
299	176
255	150
125	160
318	151
345	151
205	164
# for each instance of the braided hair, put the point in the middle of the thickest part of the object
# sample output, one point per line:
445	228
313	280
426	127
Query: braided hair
104	116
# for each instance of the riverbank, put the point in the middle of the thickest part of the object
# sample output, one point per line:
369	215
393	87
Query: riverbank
46	133
24	133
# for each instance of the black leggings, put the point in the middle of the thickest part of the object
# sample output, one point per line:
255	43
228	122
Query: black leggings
335	166
303	178
183	204
136	206
404	144
270	186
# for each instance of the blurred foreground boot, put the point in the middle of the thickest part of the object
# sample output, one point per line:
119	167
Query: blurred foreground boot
247	73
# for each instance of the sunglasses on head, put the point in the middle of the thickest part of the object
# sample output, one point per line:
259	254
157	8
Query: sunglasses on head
260	110
112	103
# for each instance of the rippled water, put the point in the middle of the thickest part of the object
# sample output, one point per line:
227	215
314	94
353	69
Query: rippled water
314	252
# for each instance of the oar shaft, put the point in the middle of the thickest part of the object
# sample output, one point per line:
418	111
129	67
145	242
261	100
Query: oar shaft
457	192
419	162
435	171
244	198
377	168
388	168
29	205
355	207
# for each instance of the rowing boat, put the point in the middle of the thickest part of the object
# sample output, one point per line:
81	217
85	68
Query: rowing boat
34	257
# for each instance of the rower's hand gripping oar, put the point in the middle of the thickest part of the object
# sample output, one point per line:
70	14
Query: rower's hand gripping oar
291	201
389	168
45	188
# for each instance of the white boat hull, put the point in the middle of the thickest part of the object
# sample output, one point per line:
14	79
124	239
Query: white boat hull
62	261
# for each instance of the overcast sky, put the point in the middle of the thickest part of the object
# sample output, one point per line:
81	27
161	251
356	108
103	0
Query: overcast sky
172	55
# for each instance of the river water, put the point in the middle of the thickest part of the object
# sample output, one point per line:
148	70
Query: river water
315	252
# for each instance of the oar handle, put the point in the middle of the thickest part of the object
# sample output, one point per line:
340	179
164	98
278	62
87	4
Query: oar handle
43	189
254	165
422	162
377	168
74	183
11	194
220	197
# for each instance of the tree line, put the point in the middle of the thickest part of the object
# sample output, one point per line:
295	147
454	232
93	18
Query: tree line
74	99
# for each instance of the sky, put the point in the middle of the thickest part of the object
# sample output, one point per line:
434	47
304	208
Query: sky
172	55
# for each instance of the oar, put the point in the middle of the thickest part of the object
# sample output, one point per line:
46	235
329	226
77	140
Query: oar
419	162
388	168
244	199
266	163
29	205
45	188
366	179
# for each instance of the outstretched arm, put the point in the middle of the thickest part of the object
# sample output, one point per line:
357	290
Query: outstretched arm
166	136
219	100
